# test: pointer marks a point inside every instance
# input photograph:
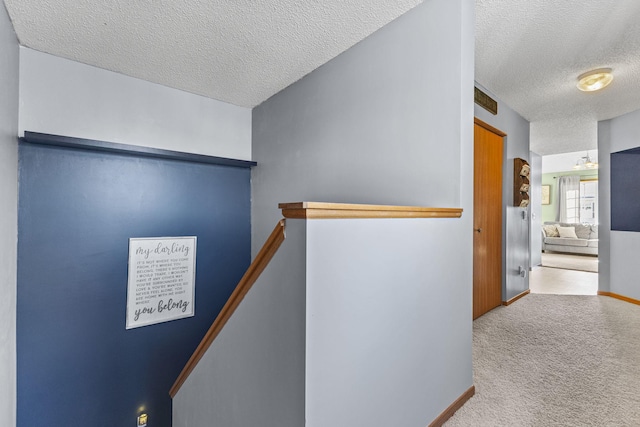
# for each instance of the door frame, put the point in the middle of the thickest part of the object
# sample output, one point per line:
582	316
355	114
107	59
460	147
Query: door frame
503	135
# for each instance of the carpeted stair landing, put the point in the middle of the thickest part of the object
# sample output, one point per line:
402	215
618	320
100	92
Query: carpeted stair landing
556	360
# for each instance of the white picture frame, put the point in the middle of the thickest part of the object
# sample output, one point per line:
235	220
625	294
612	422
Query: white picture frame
161	280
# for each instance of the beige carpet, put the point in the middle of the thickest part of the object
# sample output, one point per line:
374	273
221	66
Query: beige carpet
570	262
556	360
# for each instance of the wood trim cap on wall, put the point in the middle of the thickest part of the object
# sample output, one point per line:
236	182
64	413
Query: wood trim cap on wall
321	210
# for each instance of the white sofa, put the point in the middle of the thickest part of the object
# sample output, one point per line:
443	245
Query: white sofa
585	242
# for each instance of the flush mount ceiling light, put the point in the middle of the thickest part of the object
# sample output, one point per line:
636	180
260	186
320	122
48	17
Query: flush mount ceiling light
594	79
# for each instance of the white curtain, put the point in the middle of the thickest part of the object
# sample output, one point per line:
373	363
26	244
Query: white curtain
568	198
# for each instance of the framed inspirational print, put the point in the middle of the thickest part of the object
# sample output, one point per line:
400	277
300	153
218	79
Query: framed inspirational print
161	284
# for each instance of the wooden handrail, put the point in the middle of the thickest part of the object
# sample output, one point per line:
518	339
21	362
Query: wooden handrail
319	210
302	210
261	261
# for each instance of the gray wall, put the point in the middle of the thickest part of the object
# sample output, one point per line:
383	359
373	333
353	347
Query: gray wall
515	230
389	121
340	330
254	372
63	97
385	122
386	343
8	216
618	250
604	206
535	231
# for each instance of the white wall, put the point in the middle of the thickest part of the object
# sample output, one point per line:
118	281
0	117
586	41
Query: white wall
8	216
387	341
63	97
565	161
515	230
618	250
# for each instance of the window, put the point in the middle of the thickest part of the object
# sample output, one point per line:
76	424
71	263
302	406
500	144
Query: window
581	206
572	205
589	202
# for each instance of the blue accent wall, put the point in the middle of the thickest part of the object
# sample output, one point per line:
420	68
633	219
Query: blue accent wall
625	190
77	364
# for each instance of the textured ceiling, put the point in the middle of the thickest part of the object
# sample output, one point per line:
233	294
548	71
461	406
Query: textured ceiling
237	51
530	53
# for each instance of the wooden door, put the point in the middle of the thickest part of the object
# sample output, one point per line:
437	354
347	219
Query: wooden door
487	218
